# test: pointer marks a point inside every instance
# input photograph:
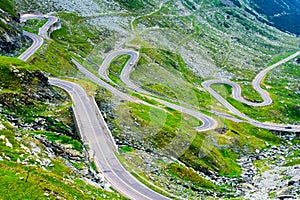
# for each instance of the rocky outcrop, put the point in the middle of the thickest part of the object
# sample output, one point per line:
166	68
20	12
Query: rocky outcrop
10	29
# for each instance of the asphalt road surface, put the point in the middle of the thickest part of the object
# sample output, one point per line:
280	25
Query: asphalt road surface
38	40
37	43
93	132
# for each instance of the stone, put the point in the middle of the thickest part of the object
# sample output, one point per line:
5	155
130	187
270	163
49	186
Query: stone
284	191
294	181
2	126
45	162
281	158
8	144
107	187
7	158
36	150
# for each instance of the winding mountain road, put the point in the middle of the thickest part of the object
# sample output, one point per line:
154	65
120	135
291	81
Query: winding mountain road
133	59
94	130
208	123
38	40
44	30
128	68
237	91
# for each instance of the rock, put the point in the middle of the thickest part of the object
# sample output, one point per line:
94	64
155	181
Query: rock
45	162
36	150
2	126
7	158
107	187
11	33
136	124
46	194
8	144
281	158
294	181
284	191
101	177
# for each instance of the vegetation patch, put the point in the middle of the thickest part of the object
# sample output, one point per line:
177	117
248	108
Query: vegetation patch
33	25
63	139
189	175
28	182
293	163
116	67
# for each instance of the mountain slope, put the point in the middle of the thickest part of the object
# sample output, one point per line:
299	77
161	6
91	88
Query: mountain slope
181	43
42	156
283	14
10	30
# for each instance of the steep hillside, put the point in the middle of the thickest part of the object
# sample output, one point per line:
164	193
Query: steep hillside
284	14
10	30
42	156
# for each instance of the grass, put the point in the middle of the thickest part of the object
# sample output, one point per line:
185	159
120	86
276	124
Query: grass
284	108
56	183
224	161
116	67
237	136
189	175
158	128
280	57
171	79
150	185
18	103
93	165
63	139
33	25
140	176
261	166
174	134
125	149
136	5
293	163
5	62
249	93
